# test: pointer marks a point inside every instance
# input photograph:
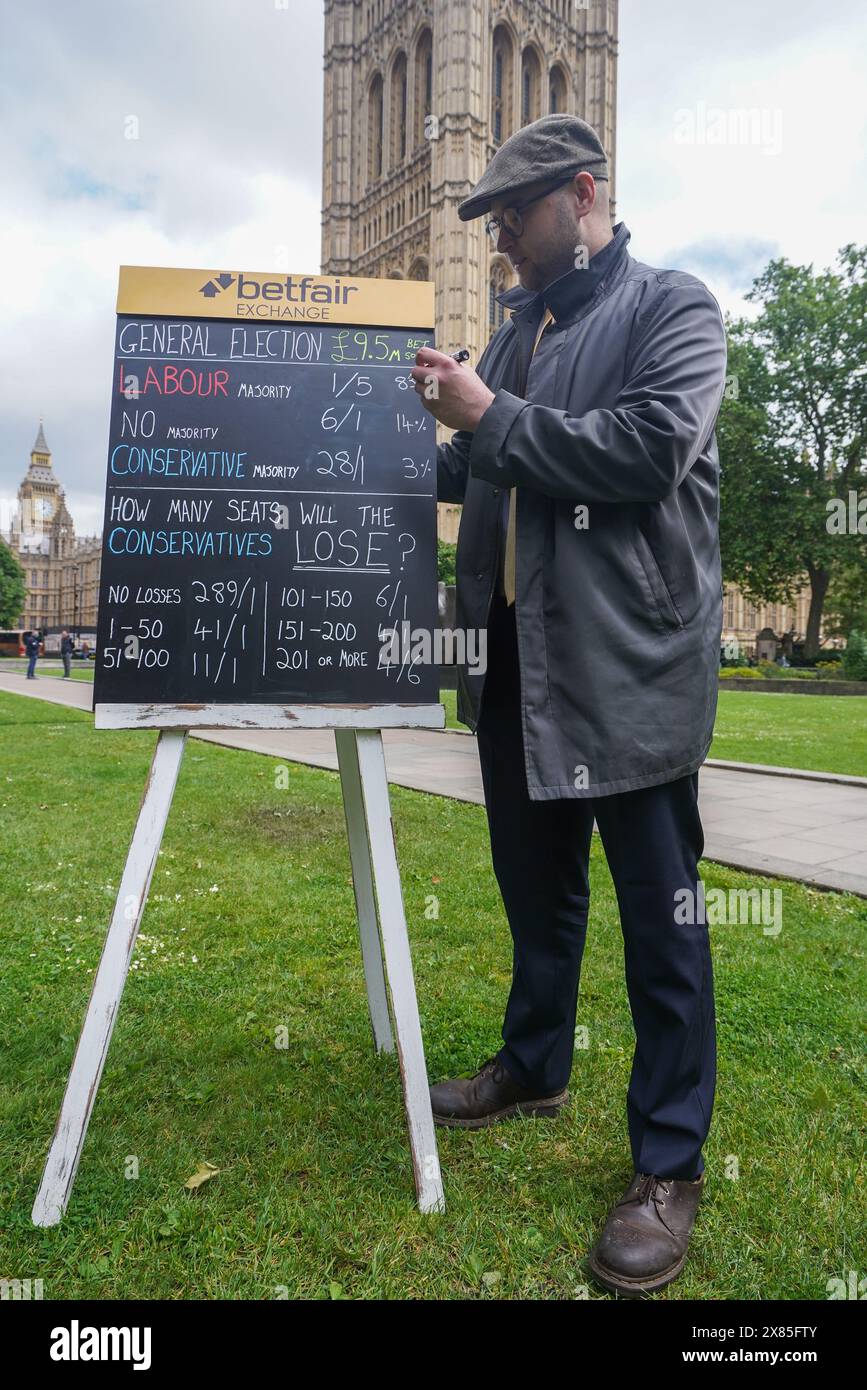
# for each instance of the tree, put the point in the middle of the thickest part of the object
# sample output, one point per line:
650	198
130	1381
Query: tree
446	552
855	657
12	588
846	603
793	435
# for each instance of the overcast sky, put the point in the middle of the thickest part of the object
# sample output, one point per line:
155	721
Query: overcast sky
226	169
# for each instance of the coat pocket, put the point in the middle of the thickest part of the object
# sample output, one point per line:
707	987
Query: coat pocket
665	604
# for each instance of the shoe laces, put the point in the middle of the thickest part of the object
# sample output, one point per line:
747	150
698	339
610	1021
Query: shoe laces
494	1065
648	1190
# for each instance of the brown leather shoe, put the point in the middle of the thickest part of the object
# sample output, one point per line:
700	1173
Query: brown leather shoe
488	1097
644	1242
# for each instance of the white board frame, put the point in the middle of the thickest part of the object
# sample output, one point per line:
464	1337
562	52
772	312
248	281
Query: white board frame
276	716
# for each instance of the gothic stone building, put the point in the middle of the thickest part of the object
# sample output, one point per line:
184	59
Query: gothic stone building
418	95
60	570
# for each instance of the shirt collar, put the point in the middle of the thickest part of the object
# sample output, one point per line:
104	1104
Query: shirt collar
567	295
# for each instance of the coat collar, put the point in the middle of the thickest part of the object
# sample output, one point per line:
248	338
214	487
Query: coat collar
572	292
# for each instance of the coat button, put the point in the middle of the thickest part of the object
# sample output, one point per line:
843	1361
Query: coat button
496	492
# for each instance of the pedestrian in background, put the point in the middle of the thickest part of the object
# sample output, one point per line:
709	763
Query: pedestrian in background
67	647
31	646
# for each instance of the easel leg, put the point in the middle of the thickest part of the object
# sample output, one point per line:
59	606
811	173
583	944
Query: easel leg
362	879
398	965
90	1054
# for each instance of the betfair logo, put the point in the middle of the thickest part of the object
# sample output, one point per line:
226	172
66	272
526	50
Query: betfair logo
306	289
217	285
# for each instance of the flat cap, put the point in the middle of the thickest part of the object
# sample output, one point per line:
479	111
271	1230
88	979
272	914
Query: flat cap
549	148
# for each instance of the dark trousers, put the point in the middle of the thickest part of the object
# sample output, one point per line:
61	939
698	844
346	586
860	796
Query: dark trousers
31	665
653	841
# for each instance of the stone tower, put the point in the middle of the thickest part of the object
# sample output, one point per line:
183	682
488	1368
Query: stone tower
418	95
61	570
41	503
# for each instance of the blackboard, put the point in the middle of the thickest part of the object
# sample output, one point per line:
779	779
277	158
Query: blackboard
270	512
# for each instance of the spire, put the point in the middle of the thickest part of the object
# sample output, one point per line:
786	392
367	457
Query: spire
40	447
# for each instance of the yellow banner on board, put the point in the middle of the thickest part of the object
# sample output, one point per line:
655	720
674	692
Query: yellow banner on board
274	297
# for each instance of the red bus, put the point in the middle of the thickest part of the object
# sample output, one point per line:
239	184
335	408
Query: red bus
12	642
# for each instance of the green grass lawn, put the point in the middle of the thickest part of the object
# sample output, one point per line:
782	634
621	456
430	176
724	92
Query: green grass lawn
47	667
820	733
251	927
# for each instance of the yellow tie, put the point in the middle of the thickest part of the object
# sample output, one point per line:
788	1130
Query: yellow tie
509	565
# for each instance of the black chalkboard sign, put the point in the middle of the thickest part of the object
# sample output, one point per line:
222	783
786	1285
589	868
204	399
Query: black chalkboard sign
270	513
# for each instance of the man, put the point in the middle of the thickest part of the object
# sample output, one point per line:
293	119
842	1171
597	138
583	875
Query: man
585	459
67	647
31	647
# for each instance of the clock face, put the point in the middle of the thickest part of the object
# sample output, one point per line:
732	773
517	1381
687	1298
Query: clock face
44	509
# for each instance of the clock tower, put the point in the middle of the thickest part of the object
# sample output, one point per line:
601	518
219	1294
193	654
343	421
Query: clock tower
41	504
61	570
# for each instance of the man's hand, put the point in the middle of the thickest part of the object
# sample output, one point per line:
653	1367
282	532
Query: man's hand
453	394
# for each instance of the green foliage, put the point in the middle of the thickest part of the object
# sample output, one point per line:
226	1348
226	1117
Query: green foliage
793	434
769	670
846	603
773	672
12	587
855	657
446	553
755	544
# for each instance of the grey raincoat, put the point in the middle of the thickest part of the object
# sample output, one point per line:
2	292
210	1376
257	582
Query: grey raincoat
610	443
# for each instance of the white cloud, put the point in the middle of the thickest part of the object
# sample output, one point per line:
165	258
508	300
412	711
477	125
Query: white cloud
224	173
800	190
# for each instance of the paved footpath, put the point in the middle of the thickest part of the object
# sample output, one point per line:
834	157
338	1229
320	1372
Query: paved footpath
809	826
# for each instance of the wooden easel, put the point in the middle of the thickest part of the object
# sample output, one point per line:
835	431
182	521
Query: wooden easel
381	919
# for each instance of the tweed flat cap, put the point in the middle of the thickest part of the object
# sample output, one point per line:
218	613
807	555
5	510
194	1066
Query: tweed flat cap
549	148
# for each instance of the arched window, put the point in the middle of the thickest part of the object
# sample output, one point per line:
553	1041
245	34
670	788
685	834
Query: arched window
501	85
530	86
419	269
423	84
496	285
374	129
557	90
398	110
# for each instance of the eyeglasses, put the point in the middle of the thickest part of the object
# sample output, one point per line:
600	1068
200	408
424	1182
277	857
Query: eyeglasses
511	218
